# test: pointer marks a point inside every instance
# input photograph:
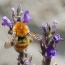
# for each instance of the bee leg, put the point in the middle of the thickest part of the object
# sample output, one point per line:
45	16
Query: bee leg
10	31
12	43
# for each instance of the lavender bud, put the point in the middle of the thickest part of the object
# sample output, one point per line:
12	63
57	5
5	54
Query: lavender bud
13	10
54	26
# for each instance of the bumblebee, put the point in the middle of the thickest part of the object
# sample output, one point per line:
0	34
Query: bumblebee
20	38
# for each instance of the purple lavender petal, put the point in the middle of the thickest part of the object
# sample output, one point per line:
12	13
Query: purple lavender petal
51	52
27	17
6	21
54	53
57	38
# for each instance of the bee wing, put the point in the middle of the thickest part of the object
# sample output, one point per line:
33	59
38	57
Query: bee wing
7	45
10	41
34	36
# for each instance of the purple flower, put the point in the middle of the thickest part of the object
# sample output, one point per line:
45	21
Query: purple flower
51	52
57	38
27	17
7	22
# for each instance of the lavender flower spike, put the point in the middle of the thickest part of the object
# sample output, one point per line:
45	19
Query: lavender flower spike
7	22
27	17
